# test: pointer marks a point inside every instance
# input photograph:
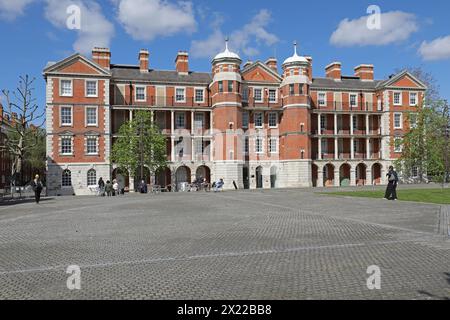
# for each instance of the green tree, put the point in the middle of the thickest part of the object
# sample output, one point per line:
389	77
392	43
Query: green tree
140	143
22	140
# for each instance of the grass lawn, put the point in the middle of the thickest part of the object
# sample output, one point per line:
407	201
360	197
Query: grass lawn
439	196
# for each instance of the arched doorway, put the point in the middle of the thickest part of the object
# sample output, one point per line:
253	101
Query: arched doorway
361	174
344	173
314	170
273	177
122	177
203	172
259	177
376	174
182	177
138	176
163	178
328	175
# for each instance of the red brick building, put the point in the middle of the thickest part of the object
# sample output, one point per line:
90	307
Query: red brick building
246	123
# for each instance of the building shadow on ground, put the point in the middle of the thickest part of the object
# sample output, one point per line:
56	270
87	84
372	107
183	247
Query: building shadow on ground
11	202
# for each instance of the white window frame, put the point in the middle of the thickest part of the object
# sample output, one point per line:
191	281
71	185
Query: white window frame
275	97
401	120
261	145
197	116
184	120
410	122
262	119
90	177
273	142
136	92
350	95
247	118
61	87
87	124
323	121
184	94
245	94
254	95
416	99
61	124
199	144
400	98
203	95
398	147
86	88
61	151
276	119
62	179
324	100
414	168
96	145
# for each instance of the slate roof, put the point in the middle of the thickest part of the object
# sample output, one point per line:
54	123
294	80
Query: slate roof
125	72
346	83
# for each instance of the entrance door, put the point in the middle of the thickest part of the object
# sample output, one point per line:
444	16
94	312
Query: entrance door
259	181
245	176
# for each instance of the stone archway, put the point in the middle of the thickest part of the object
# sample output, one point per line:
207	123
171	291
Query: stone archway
182	177
259	177
376	174
163	178
203	172
344	173
328	175
273	177
361	174
122	177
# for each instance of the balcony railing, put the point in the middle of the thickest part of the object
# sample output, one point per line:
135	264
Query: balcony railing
347	106
163	101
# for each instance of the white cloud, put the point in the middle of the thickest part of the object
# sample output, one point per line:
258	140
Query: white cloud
395	26
11	9
245	40
95	31
438	49
148	19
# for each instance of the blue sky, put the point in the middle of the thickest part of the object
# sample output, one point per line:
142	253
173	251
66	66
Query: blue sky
411	34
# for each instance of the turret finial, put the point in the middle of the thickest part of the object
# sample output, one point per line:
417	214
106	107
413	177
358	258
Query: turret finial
226	43
295	47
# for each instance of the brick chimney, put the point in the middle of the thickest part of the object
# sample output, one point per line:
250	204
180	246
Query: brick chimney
334	71
143	60
364	72
102	56
182	62
310	60
272	64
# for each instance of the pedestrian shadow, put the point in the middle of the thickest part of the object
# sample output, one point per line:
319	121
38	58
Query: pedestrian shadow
433	296
12	202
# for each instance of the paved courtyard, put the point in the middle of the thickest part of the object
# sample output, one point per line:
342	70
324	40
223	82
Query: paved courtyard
274	244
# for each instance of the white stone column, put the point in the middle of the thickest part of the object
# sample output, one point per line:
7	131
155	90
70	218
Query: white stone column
192	122
172	149
368	148
319	148
336	147
351	124
352	148
172	122
319	128
337	178
353	176
320	177
369	176
335	124
367	124
211	132
192	149
131	115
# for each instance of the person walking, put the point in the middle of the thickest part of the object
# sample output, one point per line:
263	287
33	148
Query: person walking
37	186
115	187
109	188
391	190
101	187
219	185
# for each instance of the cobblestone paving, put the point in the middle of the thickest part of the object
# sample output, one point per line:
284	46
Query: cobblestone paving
274	244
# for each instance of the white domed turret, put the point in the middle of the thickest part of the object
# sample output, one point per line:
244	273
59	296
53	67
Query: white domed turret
227	55
295	59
